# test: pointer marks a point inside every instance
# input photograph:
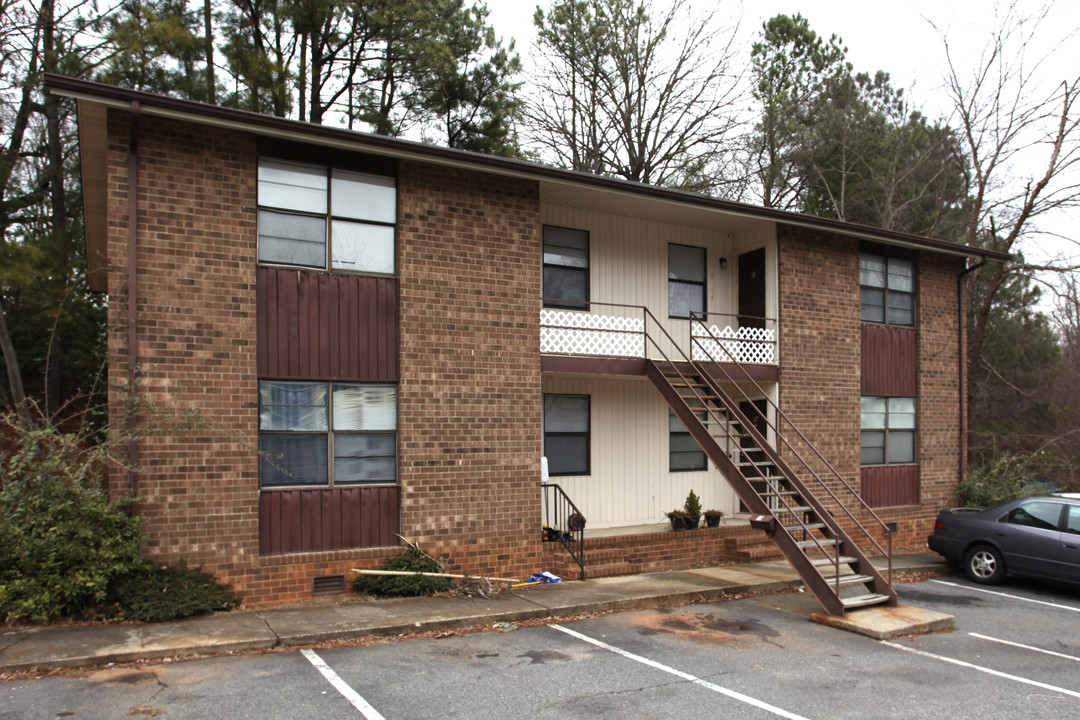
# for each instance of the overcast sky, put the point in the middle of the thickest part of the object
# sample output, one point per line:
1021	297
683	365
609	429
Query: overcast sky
898	37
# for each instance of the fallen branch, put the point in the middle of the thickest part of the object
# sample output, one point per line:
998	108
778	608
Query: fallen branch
428	574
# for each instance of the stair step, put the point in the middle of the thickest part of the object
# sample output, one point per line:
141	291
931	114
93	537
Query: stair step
820	542
804	526
863	600
846	580
794	509
828	561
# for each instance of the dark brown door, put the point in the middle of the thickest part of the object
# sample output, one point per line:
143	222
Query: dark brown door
752	289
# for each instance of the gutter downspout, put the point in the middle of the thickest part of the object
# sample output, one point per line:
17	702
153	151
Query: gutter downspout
132	301
962	331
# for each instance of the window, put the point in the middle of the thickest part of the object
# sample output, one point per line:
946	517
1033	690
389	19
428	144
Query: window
683	451
566	434
314	216
1042	515
686	280
888	430
302	425
566	268
887	289
1072	520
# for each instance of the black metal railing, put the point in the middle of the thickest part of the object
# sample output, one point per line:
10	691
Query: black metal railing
564	523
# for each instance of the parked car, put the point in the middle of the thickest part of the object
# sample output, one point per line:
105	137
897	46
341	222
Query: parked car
1033	537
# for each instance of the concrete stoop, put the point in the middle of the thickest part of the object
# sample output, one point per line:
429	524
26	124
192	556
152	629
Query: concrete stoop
882	622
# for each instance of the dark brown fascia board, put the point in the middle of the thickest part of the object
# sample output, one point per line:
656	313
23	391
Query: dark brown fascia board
214	115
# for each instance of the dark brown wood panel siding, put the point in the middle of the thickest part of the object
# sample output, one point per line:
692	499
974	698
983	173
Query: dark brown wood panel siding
318	519
327	326
890	485
889	361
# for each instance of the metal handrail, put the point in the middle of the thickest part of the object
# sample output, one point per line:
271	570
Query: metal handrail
722	421
886	528
560	524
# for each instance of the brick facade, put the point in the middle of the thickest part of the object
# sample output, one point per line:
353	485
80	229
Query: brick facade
470	403
820	367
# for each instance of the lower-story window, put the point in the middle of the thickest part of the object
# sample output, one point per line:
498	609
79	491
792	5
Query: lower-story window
684	454
888	430
566	434
322	433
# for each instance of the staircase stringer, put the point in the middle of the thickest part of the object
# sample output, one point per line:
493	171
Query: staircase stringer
826	593
847	545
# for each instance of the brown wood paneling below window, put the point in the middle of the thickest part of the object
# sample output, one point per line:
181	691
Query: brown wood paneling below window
330	326
890	485
319	519
889	361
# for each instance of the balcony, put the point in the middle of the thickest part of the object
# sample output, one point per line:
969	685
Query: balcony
629	333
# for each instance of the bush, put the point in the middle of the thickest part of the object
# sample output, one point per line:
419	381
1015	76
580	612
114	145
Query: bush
412	560
1007	477
160	594
63	539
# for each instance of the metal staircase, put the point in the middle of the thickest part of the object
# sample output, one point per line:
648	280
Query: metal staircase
800	519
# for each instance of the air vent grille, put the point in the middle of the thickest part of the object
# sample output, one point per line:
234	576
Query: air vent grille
327	584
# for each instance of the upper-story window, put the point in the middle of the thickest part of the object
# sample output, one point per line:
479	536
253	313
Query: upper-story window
887	289
686	280
320	217
566	268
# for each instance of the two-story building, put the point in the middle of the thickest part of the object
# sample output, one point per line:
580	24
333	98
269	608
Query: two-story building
384	338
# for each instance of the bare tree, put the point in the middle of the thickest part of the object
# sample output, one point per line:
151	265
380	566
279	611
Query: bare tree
620	93
1021	141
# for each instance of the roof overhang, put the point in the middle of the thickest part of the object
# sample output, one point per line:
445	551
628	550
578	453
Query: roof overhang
94	99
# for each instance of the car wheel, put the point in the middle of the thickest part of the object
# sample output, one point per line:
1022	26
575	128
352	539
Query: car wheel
984	565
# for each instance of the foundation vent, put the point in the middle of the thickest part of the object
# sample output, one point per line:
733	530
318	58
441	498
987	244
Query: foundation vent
327	584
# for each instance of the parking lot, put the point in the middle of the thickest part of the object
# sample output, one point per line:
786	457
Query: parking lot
1015	653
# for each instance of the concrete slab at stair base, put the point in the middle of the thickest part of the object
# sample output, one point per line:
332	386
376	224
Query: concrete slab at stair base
884	623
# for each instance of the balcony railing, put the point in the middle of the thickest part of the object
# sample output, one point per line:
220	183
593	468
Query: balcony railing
619	331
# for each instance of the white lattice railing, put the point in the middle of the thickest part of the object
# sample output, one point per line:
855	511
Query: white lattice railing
745	345
575	333
564	332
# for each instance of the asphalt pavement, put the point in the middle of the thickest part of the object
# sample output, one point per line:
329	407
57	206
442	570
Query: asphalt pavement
46	647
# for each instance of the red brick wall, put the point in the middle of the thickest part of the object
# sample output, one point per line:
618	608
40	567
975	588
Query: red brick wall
198	485
820	365
469	399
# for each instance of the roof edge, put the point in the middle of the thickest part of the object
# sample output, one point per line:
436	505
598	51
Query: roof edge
155	104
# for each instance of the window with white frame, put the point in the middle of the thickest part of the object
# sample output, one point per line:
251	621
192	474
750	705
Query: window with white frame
320	217
887	289
888	430
566	434
684	454
322	433
566	268
686	280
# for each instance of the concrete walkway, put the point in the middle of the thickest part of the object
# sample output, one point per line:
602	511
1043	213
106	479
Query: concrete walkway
248	630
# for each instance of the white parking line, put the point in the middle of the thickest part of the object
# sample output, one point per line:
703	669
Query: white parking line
988	671
1024	647
1002	594
341	686
680	674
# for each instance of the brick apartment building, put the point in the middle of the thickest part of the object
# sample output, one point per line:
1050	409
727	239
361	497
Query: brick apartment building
384	338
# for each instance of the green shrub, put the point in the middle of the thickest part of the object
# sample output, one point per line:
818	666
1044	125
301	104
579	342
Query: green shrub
412	560
692	506
61	538
160	594
1007	477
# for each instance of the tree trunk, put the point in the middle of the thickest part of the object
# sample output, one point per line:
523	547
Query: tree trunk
18	395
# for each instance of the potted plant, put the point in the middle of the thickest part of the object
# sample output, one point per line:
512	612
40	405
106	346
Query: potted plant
692	507
678	519
713	518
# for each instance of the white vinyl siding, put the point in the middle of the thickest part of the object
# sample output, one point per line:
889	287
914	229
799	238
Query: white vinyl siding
630	482
628	264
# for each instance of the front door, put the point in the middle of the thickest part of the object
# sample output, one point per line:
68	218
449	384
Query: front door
752	289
